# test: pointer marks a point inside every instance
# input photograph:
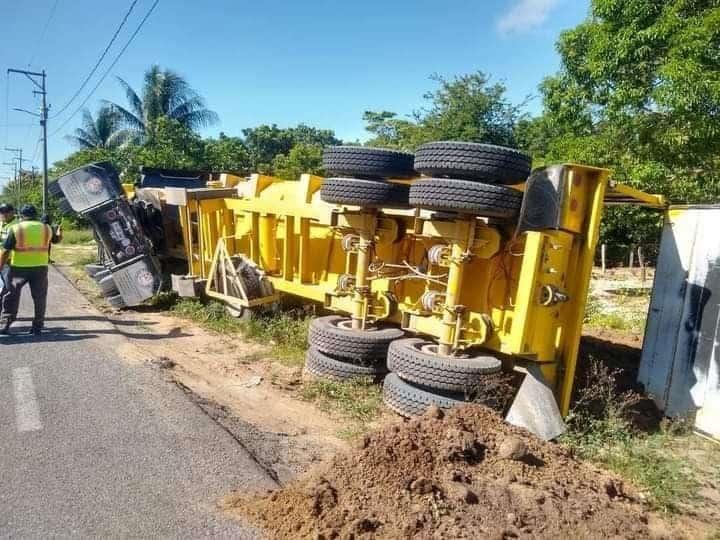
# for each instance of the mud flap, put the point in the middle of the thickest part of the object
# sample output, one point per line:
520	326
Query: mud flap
535	407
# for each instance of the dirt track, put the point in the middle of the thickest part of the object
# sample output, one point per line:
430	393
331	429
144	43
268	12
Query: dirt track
463	474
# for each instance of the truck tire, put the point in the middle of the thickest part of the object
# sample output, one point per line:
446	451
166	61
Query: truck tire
408	400
358	192
251	279
107	286
116	301
466	197
327	367
408	360
333	335
473	161
364	162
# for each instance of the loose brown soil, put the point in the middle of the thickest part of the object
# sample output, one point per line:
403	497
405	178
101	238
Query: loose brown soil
460	474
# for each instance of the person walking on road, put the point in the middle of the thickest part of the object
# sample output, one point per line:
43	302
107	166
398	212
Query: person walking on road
27	248
7	219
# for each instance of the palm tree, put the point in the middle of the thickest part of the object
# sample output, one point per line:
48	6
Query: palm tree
103	131
164	94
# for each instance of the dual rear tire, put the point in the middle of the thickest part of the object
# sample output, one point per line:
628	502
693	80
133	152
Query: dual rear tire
420	377
469	178
359	176
465	178
340	353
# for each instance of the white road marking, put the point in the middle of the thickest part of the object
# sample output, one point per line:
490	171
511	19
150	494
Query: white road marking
27	411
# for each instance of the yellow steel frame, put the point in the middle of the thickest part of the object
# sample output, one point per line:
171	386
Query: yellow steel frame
518	294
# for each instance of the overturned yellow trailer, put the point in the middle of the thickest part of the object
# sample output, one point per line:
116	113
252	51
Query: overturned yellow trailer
485	263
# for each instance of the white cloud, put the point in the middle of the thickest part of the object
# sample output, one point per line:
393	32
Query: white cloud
525	15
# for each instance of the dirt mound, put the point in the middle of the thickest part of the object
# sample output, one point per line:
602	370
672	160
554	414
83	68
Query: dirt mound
459	474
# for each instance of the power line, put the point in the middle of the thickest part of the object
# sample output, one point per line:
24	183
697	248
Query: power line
7	106
44	31
37	147
97	64
115	61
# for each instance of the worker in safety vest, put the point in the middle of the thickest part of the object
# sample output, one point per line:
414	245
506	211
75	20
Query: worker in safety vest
7	219
27	248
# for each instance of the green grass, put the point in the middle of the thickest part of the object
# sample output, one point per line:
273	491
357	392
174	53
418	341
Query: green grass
623	315
359	400
284	332
82	259
599	431
630	322
211	315
648	460
77	236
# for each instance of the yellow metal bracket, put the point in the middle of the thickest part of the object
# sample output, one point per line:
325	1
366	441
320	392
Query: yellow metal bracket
617	193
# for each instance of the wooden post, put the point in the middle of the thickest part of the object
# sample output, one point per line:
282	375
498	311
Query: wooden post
603	253
632	258
641	261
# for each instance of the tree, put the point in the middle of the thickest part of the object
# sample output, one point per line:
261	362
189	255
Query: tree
640	80
165	94
227	154
467	107
103	131
302	158
264	142
393	132
638	91
173	146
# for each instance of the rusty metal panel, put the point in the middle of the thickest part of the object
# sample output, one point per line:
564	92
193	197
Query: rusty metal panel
679	365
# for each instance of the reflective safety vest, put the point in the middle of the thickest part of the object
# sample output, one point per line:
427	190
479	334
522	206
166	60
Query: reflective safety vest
4	228
32	244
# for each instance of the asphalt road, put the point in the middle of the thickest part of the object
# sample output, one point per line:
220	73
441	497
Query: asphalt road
94	446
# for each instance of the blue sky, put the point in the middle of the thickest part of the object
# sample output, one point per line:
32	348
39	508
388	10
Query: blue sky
284	62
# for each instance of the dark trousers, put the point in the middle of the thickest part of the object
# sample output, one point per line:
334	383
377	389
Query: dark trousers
37	278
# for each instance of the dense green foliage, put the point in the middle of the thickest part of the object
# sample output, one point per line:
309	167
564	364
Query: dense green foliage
638	91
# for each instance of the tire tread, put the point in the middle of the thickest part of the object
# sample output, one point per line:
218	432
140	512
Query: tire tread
473	161
322	365
466	196
428	371
408	400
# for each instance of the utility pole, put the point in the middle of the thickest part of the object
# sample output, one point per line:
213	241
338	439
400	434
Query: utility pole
13	164
15	188
33	76
19	157
18	174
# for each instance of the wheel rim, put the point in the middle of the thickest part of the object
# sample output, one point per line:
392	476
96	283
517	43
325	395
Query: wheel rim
346	324
432	349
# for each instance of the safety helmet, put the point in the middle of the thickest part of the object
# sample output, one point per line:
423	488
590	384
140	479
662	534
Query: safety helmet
28	211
